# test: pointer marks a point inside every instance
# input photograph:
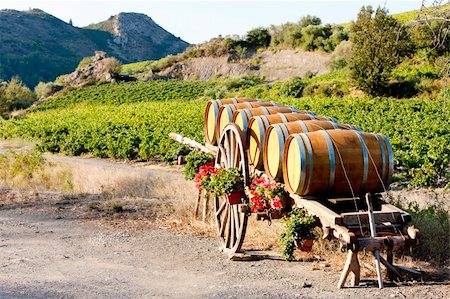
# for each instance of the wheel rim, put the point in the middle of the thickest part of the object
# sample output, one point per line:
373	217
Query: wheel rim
231	223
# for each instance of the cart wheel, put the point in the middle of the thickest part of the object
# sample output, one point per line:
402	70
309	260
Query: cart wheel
231	223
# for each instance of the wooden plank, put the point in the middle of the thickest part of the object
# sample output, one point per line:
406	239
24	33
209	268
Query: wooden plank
316	208
357	218
192	143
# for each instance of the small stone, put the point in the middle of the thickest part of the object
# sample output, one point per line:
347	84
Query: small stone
306	285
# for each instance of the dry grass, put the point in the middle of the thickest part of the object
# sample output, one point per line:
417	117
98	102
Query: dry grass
28	170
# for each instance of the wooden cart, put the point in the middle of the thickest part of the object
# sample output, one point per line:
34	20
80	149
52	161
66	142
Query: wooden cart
365	222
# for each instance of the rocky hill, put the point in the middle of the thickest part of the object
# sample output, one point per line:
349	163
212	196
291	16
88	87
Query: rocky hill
132	33
37	46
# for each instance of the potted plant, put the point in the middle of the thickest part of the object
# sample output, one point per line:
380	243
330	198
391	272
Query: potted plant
298	231
228	182
194	161
203	177
266	195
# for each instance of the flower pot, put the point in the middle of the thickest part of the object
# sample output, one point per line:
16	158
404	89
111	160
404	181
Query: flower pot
235	197
306	245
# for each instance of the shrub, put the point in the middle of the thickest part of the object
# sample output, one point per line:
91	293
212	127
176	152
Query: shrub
293	88
43	90
297	226
14	95
259	37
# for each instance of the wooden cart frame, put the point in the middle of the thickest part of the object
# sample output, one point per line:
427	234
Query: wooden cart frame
365	222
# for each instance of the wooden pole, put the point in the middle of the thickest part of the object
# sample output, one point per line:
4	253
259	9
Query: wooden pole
197	204
373	233
191	143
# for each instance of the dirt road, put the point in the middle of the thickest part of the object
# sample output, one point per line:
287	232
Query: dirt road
47	252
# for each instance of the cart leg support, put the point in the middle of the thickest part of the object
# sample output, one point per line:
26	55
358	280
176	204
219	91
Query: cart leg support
351	265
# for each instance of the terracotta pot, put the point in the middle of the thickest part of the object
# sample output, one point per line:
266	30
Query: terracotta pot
235	197
307	245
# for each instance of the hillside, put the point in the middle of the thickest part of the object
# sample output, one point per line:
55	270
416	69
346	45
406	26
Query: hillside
132	33
54	47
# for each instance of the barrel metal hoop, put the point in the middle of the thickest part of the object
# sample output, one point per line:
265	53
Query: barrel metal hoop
235	101
303	126
391	158
365	160
335	125
283	117
266	110
308	145
249	105
302	150
332	160
383	158
260	121
293	109
266	123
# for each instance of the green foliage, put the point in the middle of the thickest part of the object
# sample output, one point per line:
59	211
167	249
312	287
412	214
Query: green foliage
226	180
298	226
434	225
14	95
308	34
293	88
258	37
84	62
194	160
135	67
125	121
231	84
379	43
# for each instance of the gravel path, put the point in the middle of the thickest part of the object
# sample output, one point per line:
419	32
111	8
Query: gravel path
46	255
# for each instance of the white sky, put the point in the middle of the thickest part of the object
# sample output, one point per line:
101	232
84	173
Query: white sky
198	21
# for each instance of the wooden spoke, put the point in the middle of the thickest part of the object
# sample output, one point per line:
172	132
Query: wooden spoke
231	223
222	206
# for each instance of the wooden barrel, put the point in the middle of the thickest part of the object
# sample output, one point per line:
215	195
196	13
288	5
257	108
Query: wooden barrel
327	118
225	114
339	162
242	117
257	127
211	112
277	134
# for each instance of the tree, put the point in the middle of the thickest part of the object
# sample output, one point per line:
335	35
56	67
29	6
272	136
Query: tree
379	44
259	37
309	20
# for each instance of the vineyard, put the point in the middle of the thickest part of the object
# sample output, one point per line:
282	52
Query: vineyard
132	121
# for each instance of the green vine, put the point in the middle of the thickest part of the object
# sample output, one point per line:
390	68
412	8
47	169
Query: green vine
194	160
297	226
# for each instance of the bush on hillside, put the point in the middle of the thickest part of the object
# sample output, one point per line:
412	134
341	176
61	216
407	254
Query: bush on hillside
293	88
259	37
379	44
14	95
43	90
